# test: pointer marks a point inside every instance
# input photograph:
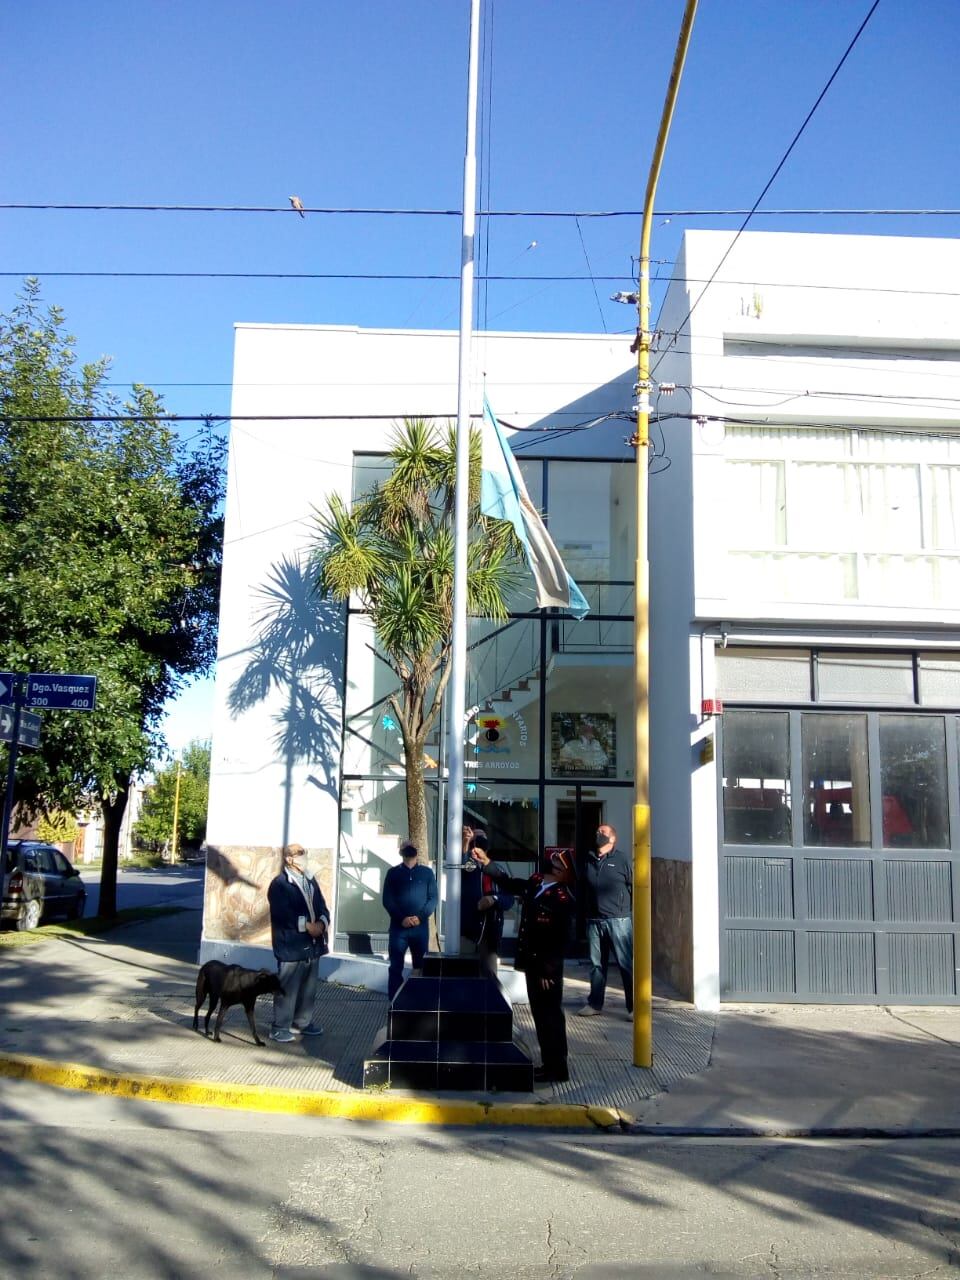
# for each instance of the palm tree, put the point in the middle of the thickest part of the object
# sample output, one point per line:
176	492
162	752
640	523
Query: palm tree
394	551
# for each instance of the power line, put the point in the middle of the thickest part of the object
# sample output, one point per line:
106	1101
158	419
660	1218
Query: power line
783	160
486	213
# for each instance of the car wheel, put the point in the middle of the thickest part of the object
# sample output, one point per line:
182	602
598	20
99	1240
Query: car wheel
79	905
29	915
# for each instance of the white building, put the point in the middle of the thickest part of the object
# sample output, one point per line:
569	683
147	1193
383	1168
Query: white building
303	745
805	570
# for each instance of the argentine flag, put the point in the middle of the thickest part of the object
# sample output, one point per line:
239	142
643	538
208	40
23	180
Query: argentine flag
503	496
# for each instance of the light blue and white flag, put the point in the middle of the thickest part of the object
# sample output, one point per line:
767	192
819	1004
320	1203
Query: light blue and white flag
503	496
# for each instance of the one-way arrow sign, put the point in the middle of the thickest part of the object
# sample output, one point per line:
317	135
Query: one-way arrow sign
6	684
29	735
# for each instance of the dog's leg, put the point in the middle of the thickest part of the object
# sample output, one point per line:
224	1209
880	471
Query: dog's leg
250	1005
210	1008
201	996
216	1029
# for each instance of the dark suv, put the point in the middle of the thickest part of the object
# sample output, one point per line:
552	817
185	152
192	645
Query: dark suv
40	882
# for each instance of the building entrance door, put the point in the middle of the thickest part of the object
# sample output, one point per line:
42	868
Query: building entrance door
577	822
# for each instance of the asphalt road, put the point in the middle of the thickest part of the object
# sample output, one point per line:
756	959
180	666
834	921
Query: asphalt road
95	1187
180	885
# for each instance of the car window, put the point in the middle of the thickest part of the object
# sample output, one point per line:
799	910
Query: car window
60	863
47	861
31	859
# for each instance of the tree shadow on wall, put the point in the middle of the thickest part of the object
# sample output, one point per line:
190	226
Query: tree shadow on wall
298	651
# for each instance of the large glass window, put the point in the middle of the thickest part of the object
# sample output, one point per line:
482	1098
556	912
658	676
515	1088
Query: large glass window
592	518
589	724
503	695
756	777
913	775
836	785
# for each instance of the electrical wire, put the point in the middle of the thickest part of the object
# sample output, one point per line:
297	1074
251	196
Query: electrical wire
783	160
593	281
485	213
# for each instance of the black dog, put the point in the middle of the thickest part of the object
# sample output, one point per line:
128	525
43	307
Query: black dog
229	984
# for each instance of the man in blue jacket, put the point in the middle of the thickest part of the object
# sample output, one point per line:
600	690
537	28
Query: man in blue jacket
298	925
482	902
410	899
608	893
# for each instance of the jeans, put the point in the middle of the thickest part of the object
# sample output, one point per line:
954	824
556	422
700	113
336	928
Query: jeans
294	1004
417	939
615	934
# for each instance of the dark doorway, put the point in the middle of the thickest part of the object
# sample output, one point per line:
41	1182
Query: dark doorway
577	822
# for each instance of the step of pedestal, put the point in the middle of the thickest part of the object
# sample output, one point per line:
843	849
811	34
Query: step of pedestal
466	1066
457	1009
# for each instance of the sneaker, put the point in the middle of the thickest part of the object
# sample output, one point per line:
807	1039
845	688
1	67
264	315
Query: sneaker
283	1037
588	1011
311	1030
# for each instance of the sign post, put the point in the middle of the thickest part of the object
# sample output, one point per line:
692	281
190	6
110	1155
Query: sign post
19	728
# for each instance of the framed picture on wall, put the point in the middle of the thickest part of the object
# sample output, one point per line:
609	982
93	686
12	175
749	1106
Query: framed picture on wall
583	744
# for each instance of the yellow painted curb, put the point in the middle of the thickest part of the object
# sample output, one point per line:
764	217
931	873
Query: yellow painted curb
343	1106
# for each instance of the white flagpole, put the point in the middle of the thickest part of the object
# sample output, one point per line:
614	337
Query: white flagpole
457	688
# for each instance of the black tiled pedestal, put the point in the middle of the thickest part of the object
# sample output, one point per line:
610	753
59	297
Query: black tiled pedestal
450	1028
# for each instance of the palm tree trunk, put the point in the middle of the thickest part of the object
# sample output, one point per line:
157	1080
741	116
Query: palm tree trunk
417	817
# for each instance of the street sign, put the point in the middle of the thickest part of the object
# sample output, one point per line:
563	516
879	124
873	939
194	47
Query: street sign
29	734
6	684
63	692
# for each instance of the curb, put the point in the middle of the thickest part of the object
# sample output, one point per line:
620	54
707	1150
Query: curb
816	1132
371	1107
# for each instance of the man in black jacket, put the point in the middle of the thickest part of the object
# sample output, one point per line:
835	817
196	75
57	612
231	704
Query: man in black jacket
482	902
608	886
298	925
546	912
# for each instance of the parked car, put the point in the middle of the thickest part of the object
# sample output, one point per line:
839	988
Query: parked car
39	883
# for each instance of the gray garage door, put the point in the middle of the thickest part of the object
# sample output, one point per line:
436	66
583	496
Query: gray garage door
840	855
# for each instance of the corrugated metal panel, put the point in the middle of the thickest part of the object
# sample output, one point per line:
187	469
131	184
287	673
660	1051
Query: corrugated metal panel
918	891
759	888
922	964
842	964
760	960
839	889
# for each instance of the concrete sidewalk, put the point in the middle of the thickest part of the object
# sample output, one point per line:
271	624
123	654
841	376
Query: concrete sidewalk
115	1013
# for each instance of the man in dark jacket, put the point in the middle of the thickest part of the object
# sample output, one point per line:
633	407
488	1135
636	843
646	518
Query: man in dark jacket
482	903
410	899
546	912
298	924
608	885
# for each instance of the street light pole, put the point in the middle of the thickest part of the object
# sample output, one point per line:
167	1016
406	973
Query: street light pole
176	814
642	907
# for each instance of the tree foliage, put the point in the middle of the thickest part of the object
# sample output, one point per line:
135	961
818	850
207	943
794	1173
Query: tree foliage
154	828
110	542
394	549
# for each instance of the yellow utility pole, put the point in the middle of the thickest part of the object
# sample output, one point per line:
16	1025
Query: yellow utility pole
176	814
642	912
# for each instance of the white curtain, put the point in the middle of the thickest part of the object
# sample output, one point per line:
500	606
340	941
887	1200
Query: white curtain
945	507
754	514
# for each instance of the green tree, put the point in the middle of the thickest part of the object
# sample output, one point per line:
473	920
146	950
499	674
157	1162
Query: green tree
154	827
394	550
110	540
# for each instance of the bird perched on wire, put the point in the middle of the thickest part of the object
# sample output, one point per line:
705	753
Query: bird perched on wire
298	205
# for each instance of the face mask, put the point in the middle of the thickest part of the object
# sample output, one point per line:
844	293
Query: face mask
602	839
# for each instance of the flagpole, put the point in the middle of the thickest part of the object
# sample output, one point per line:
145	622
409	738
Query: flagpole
457	688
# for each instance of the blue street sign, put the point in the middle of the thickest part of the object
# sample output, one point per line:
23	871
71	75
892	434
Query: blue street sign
6	685
29	734
63	692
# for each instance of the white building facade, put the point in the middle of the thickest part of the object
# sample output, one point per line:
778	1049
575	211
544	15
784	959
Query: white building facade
304	747
805	553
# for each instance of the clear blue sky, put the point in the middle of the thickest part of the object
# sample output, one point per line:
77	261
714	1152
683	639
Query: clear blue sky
362	103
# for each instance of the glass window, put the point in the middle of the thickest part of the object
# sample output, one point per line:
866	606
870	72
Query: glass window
763	675
591	513
756	777
368	470
940	679
503	695
835	780
913	775
373	824
372	742
589	712
865	677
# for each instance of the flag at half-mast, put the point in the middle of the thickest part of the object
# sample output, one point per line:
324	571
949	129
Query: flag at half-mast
503	496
